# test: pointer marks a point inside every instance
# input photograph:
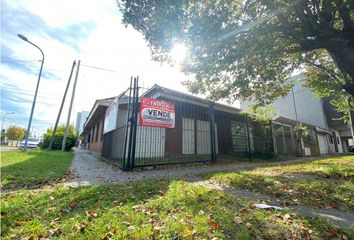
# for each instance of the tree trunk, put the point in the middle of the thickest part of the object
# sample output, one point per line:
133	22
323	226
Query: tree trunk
342	53
352	123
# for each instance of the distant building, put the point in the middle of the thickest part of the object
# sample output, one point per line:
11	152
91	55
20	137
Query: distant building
80	121
333	136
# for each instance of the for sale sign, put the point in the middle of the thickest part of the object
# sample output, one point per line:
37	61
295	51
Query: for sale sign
156	113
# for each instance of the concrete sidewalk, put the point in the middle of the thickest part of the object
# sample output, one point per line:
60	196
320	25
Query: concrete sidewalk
90	170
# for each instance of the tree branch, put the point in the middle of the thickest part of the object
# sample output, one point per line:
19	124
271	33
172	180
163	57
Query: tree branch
322	68
345	15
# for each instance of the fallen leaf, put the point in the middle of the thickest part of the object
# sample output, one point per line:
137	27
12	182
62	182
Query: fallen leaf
51	209
20	223
187	233
248	225
91	214
329	233
80	227
213	225
286	217
53	232
238	220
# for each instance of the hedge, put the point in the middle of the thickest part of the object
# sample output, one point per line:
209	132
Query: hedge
70	141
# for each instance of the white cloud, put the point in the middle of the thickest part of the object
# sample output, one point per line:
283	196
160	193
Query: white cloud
109	45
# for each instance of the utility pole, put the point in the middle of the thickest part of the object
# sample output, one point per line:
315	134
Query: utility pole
61	108
71	105
299	132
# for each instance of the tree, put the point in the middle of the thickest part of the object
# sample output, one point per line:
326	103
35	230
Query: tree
59	136
325	80
61	129
247	49
261	113
15	133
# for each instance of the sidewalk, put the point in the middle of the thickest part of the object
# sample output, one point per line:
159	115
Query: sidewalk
90	171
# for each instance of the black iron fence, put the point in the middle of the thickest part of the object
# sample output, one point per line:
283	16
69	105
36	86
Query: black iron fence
203	132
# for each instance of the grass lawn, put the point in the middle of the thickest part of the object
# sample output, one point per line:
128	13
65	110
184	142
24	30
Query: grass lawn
325	183
20	168
339	167
150	209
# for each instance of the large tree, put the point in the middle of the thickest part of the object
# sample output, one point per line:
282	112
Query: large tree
247	49
15	133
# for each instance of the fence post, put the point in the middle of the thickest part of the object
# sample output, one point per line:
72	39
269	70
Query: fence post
127	127
129	162
212	131
272	139
135	119
248	138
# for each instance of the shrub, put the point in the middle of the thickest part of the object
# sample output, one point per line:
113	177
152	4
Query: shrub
70	141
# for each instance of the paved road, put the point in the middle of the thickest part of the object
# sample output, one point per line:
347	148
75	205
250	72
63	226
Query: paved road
7	149
89	171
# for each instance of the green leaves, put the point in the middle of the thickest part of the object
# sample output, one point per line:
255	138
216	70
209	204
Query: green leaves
15	133
247	49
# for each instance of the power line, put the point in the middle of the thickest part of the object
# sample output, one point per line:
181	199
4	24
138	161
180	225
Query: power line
103	69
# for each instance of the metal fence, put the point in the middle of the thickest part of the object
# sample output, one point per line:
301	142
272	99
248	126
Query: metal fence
202	133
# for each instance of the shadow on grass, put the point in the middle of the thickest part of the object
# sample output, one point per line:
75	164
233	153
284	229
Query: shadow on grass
148	209
24	169
24	211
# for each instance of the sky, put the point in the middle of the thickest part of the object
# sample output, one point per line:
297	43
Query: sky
90	31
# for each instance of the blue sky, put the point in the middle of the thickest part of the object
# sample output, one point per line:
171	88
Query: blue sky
66	31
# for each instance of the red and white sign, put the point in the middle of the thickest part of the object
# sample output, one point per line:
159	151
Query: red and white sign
156	113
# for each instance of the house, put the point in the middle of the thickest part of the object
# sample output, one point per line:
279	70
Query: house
302	106
174	127
92	134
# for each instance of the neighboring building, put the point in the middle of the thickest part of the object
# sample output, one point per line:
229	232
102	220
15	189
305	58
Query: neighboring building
93	128
341	131
80	121
302	106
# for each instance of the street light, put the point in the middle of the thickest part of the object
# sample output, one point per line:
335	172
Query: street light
3	119
35	94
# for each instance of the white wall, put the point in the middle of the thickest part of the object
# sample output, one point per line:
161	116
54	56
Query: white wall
308	106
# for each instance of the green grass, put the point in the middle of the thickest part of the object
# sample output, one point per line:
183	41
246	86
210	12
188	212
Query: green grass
331	184
149	209
339	167
20	168
317	193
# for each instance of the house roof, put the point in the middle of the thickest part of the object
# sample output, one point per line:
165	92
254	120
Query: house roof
98	110
291	122
158	91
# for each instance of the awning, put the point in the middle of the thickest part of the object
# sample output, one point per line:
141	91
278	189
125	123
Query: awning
321	130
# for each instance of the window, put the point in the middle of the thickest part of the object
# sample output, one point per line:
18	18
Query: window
101	134
239	137
331	139
92	134
97	131
338	142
